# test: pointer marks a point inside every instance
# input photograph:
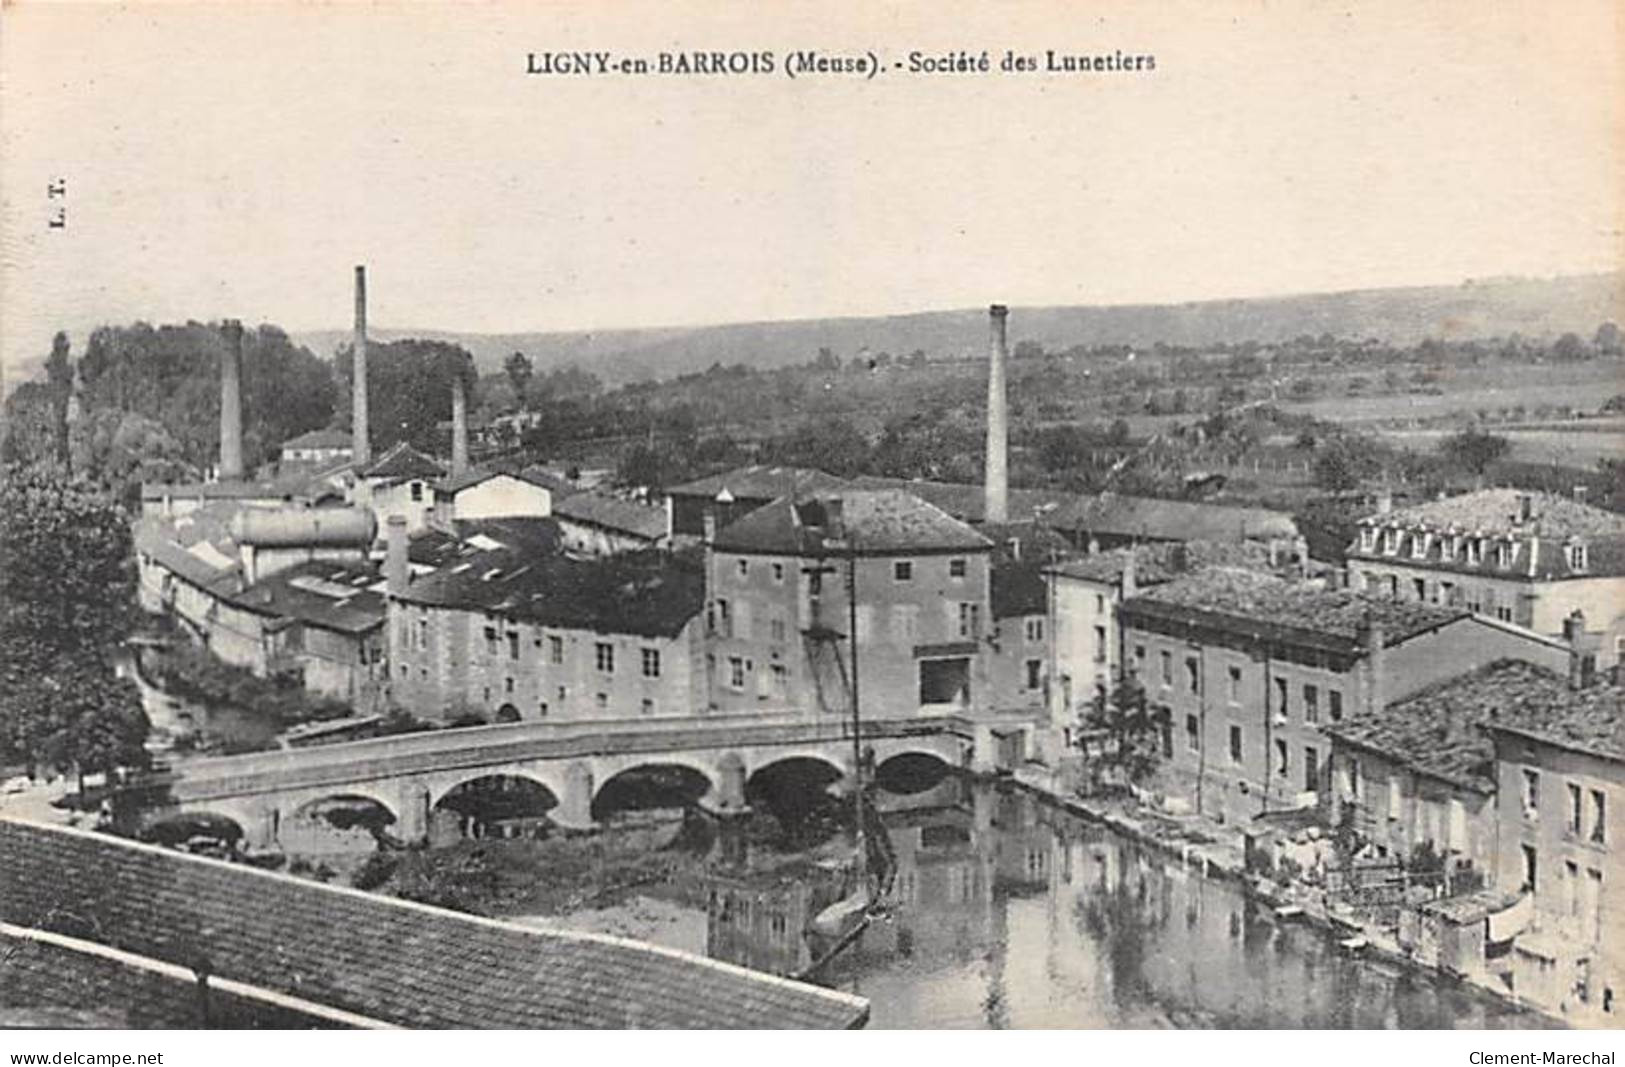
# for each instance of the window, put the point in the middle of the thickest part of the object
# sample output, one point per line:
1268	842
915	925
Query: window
1576	554
1475	551
1419	545
1100	644
604	657
1396	798
1599	817
1193	733
555	649
1334	704
1035	674
1531	794
541	709
1235	685
1033	628
423	633
507	685
1282	763
1531	867
1576	808
1311	769
1503	555
1139	659
744	568
648	706
970	619
776	630
1571	888
902	570
1419	588
956	568
815	583
1100	604
1311	703
564	693
602	700
651	663
1368	539
1354	779
778	573
1193	674
491	640
513	644
781	679
721	620
417	492
1167	659
1235	744
736	672
1281	695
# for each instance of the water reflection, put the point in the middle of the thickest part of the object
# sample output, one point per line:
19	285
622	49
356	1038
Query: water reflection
1009	912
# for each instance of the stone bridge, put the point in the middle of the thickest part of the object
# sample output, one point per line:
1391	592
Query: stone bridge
410	774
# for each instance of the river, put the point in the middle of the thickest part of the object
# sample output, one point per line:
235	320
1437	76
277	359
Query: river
1010	912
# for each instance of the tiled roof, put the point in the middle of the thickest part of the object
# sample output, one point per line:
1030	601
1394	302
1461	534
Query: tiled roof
1539	544
1251	601
53	981
650	594
534	475
1495	511
761	483
1152	519
214	490
968	502
329	595
320	439
876	521
549	479
1589	720
197	546
1441	731
391	960
1163	561
404	461
435	547
612	513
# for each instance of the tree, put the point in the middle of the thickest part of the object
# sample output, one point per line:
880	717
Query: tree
409	390
1569	347
1472	449
66	604
518	369
1342	464
1607	340
1131	731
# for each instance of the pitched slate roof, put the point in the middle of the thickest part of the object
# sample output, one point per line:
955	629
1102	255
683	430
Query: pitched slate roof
1018	589
1495	511
392	960
876	521
435	547
1590	720
759	482
534	475
1254	602
612	513
404	461
1441	731
344	597
320	439
649	594
968	502
197	546
1153	519
1540	541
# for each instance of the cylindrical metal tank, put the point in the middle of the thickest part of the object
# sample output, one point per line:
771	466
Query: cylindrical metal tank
292	527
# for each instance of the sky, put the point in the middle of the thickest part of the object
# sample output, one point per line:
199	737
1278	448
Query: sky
239	161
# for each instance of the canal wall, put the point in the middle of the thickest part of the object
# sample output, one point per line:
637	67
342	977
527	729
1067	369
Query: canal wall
1217	858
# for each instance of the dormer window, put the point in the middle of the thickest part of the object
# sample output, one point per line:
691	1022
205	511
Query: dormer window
1505	553
1368	539
1575	554
1475	550
1390	542
1419	544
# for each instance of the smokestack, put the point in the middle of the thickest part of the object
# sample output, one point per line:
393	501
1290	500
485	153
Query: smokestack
1375	640
361	446
459	426
231	404
998	429
395	564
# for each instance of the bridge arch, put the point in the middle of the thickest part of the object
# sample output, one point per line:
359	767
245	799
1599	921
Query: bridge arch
797	789
912	771
196	829
336	823
653	784
497	802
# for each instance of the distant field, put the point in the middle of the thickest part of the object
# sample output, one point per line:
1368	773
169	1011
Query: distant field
1566	448
1580	386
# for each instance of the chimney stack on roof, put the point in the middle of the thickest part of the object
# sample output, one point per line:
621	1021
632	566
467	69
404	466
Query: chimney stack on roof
396	570
361	446
998	429
1374	640
459	426
231	403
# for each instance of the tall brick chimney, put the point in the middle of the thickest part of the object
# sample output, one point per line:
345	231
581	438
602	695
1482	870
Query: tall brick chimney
361	445
459	426
231	403
1374	641
998	426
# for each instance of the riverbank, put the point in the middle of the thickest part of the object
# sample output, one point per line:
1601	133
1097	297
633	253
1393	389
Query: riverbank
1220	852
